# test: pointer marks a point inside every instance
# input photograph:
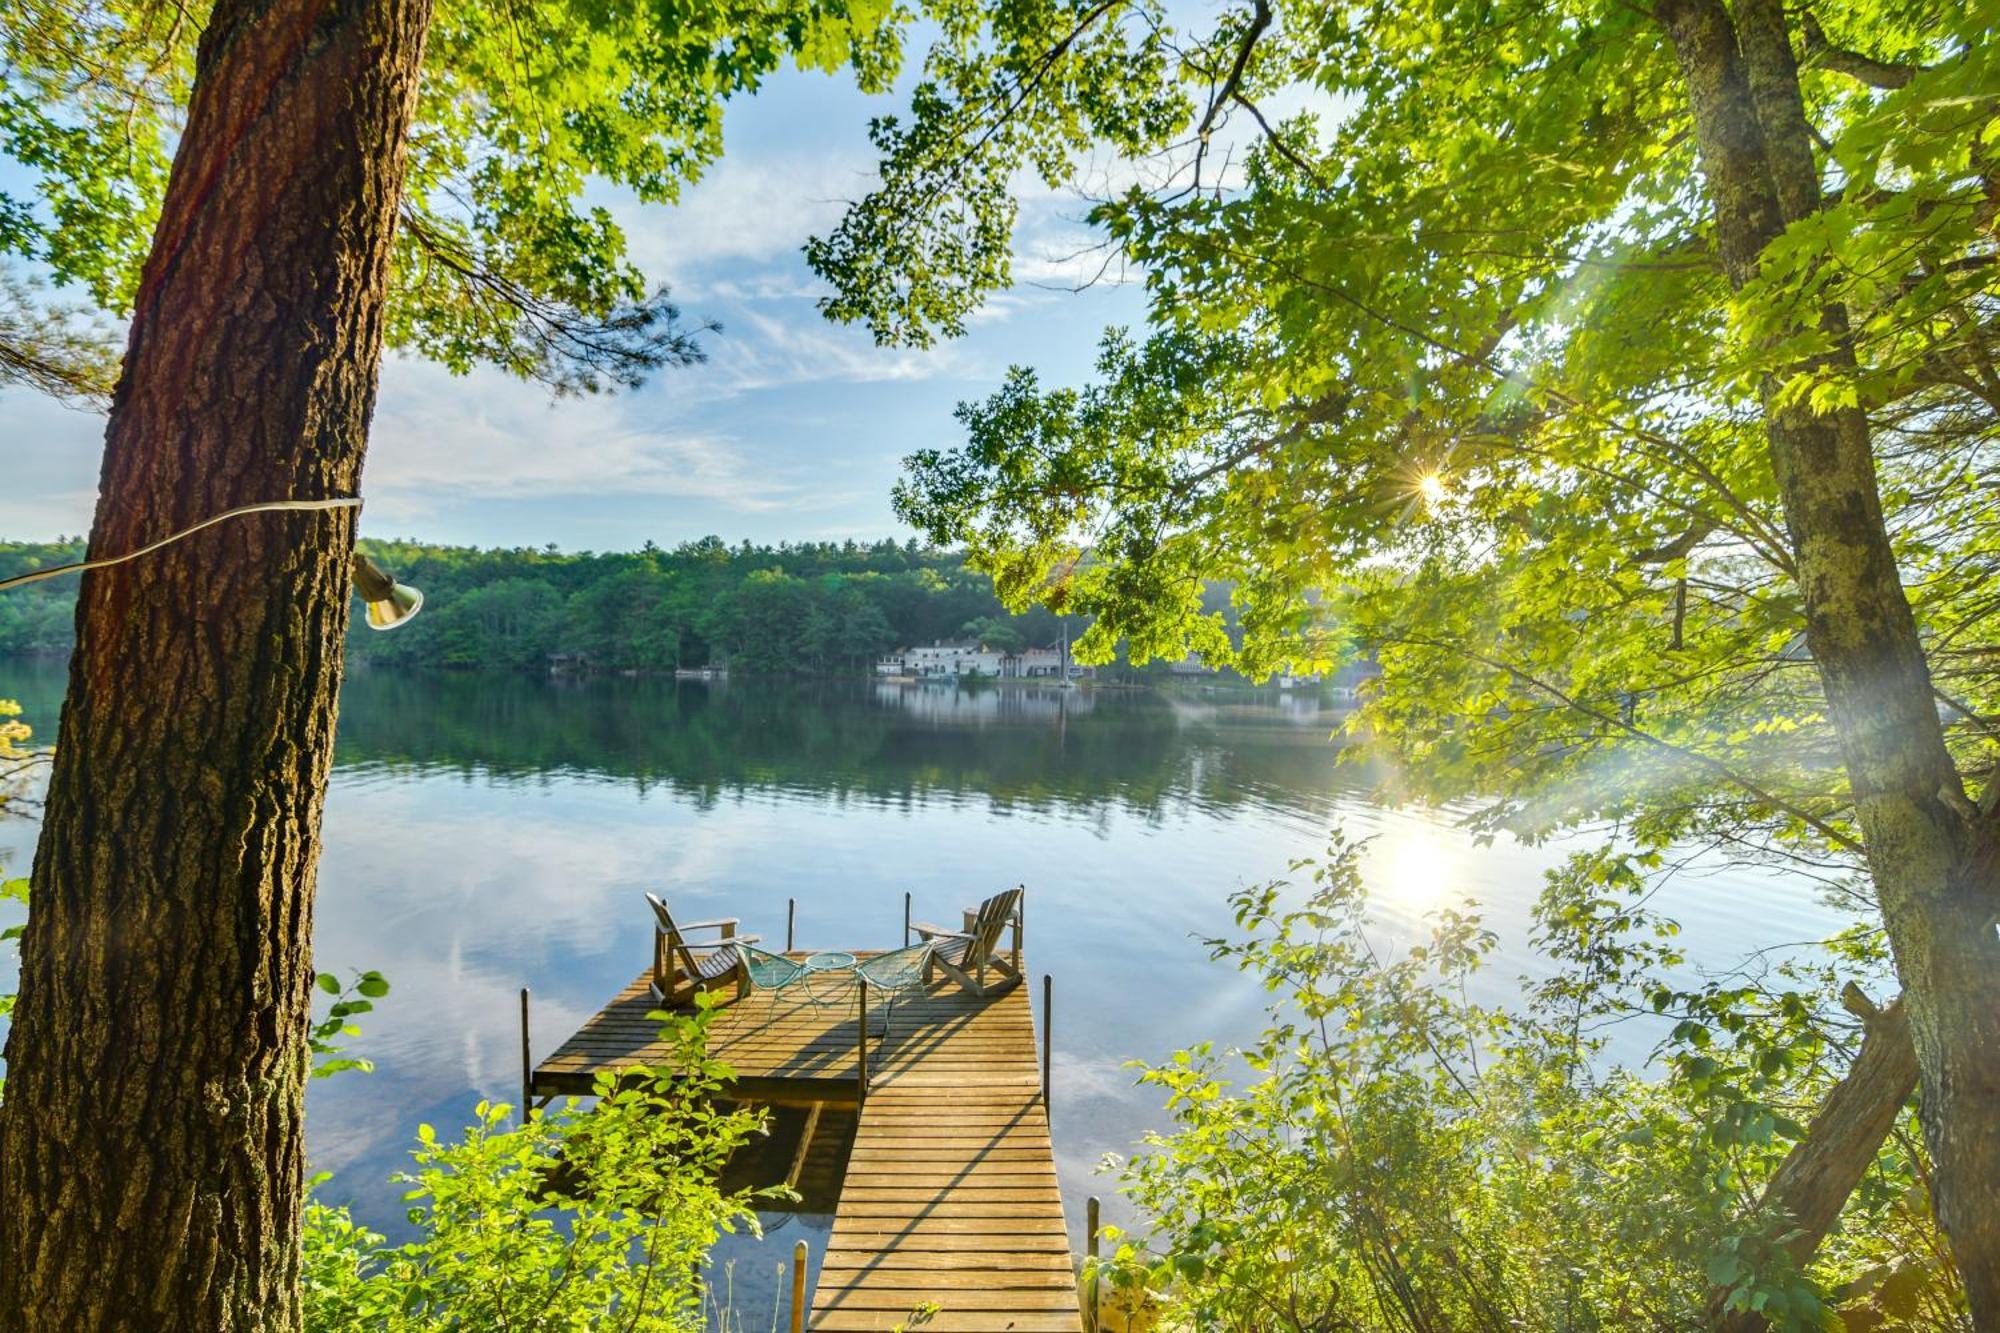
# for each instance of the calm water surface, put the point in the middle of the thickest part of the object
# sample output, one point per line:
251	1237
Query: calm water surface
486	833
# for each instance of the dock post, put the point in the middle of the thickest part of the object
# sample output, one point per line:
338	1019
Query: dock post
799	1287
906	918
791	916
1048	1033
1090	1230
861	1046
527	1064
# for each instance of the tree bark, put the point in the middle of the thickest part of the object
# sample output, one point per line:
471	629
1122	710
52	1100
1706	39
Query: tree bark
151	1150
1811	1185
1929	853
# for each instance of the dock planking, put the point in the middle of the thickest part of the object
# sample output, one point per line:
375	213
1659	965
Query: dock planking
950	1198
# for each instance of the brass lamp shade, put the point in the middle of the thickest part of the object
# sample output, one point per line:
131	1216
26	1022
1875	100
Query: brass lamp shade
389	603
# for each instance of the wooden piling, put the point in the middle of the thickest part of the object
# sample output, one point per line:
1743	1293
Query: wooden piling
527	1064
799	1287
1048	1033
861	1046
1090	1244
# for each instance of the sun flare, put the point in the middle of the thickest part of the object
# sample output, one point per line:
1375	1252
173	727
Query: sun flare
1414	870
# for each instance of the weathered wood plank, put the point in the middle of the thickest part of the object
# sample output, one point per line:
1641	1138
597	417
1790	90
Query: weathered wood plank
1045	1312
890	1282
952	1321
918	1229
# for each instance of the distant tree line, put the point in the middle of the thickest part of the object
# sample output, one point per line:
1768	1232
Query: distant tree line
38	617
808	607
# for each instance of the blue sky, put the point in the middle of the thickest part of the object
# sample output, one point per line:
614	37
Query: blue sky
794	427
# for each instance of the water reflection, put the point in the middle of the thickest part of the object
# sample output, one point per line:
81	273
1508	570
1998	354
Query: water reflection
484	834
1037	749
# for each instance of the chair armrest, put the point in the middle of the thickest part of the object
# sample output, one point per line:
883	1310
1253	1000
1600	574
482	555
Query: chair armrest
710	946
929	931
718	924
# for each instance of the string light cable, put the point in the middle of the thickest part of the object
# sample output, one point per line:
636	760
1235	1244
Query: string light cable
77	567
389	603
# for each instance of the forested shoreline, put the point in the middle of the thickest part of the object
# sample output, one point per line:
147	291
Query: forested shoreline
808	607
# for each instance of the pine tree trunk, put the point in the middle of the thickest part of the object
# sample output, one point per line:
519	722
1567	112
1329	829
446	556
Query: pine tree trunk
1931	855
151	1150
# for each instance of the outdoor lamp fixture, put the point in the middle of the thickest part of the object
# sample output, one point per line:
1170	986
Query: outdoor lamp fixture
389	603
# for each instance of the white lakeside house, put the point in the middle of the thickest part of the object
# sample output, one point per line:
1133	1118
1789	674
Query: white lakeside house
946	661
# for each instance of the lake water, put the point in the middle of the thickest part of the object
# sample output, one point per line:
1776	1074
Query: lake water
487	833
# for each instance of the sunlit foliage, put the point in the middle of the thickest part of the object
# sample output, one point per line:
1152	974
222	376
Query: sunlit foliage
579	1219
1390	1156
499	258
1440	363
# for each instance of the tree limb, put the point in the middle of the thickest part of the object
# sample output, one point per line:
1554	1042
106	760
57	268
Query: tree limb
1865	69
1259	21
1812	1184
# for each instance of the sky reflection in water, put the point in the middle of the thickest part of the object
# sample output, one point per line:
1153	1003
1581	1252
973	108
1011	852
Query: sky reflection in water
487	833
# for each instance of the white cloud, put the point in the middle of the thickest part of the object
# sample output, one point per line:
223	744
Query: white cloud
489	436
771	285
52	455
800	348
1065	259
745	209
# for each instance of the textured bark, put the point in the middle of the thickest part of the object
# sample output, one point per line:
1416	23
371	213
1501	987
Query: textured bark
1813	1182
1929	853
151	1150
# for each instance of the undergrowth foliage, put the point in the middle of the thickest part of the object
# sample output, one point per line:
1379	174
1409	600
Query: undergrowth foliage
1389	1155
593	1218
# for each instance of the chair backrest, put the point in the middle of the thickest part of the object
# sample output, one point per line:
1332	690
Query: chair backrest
675	943
769	971
898	970
993	918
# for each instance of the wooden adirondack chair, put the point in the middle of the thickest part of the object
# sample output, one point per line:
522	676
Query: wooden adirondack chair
967	955
680	966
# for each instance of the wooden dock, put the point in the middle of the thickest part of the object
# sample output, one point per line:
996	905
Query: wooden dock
950	1196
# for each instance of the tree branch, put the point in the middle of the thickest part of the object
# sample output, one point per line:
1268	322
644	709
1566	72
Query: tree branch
1640	734
1260	20
1865	69
1809	1188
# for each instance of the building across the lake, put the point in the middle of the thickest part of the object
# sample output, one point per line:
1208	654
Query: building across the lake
1045	663
949	661
942	659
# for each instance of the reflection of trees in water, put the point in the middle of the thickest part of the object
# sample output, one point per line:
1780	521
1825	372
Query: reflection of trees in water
1014	747
972	704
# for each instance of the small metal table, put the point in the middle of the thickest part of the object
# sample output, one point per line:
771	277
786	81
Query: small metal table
823	964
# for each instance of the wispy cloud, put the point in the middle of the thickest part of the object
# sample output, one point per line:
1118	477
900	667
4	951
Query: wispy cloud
1067	258
763	351
746	210
487	436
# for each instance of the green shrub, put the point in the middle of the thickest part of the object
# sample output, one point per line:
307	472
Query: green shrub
1399	1158
592	1218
